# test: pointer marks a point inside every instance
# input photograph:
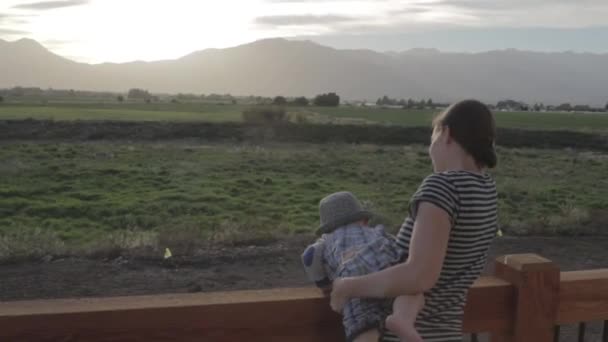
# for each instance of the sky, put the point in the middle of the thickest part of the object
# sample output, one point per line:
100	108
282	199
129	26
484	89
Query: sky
96	31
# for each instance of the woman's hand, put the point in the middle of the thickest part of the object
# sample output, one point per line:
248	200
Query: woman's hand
338	295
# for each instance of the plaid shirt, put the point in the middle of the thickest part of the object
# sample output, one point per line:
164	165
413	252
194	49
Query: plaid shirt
353	250
367	248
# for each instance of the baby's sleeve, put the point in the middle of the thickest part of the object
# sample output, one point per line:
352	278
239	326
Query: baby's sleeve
312	259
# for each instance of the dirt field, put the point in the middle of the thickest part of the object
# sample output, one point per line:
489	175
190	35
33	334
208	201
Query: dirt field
250	267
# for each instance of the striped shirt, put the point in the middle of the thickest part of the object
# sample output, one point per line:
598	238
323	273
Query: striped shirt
471	202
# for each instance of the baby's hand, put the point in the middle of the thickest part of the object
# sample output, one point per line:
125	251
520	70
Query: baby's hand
326	290
338	298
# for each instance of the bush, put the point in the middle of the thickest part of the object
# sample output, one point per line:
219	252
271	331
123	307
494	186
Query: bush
181	240
328	100
264	115
300	101
279	101
136	93
26	243
301	118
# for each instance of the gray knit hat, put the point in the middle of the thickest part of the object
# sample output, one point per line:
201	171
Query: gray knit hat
339	209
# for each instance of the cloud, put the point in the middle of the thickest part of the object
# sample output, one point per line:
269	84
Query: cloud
481	5
57	41
400	16
5	17
12	32
515	5
531	13
49	5
474	39
309	1
13	18
302	20
412	10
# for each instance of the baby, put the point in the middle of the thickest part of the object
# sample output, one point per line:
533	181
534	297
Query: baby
350	247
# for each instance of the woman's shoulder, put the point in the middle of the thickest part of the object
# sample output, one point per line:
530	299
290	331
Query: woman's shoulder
459	176
455	182
442	179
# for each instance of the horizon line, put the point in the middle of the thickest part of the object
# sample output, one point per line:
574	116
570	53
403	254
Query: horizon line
308	40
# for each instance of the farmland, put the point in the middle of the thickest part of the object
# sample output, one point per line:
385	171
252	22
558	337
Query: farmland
93	196
592	122
71	196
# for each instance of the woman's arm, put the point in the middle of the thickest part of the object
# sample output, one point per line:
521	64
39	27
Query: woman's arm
417	274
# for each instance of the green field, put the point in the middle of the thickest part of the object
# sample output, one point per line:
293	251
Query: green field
128	112
597	122
94	195
524	120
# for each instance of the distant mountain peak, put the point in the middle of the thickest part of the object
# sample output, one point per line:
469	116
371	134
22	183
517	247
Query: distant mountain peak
274	66
283	43
270	40
422	51
268	44
27	42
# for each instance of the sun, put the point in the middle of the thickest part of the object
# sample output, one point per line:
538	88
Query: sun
121	31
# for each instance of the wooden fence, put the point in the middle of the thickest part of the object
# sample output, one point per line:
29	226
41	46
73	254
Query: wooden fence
526	300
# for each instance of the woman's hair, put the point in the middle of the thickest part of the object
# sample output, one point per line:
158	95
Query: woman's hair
471	124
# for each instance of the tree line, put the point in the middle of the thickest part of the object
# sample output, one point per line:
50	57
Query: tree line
540	107
409	103
326	99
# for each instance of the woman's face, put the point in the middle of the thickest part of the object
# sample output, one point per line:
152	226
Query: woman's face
438	149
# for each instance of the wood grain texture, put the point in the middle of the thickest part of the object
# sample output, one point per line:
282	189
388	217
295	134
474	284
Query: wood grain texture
270	315
537	282
297	314
521	304
490	306
583	296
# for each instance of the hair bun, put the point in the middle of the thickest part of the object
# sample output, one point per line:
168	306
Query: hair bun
488	156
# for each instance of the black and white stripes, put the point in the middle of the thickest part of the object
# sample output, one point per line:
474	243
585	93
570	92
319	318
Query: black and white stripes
471	201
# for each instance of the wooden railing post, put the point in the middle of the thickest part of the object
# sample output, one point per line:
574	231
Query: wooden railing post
536	281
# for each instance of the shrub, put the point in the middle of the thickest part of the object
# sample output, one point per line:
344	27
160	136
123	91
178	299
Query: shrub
328	100
300	101
181	239
265	115
301	118
279	101
26	243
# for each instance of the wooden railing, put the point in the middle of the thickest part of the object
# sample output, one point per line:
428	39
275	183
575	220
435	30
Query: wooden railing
523	302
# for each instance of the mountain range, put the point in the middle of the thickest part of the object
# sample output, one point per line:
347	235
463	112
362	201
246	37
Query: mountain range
302	68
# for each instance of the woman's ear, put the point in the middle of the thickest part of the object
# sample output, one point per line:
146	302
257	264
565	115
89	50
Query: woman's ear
446	135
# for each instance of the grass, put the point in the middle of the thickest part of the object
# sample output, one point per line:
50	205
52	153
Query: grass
523	120
127	112
593	122
117	195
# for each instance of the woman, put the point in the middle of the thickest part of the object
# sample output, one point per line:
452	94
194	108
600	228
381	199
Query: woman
452	222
